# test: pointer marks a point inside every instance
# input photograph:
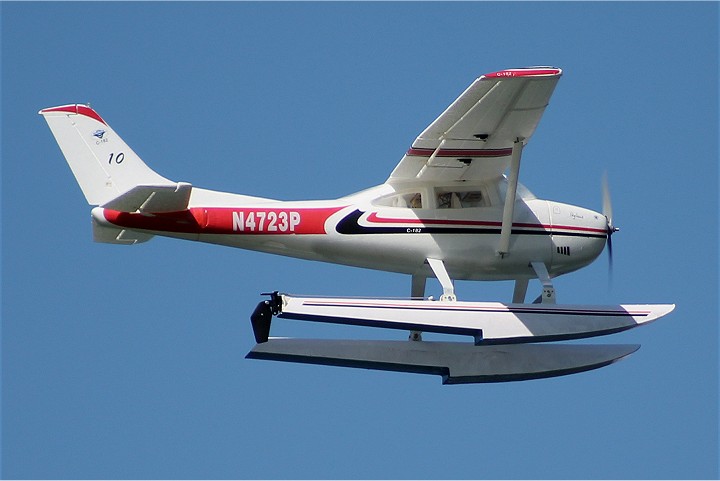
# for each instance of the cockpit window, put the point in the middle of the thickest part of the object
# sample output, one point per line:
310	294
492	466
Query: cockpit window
416	201
460	200
412	200
522	191
472	199
445	199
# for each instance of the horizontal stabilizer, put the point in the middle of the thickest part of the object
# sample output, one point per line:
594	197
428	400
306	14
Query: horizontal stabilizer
457	363
153	199
487	322
117	235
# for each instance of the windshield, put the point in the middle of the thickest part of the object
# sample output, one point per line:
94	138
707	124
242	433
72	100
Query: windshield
522	191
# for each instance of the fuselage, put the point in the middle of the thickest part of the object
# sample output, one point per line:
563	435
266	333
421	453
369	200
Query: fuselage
446	203
391	228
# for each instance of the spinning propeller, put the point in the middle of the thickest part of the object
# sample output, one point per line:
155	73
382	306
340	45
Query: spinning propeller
608	213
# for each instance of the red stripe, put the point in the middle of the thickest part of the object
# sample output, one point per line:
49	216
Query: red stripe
77	109
373	217
466	307
421	152
583	229
225	220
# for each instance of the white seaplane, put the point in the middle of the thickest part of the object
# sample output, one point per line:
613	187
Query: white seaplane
452	209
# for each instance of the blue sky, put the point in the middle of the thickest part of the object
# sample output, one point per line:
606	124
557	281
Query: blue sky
128	362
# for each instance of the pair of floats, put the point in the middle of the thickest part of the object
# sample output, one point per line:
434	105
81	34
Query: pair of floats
509	342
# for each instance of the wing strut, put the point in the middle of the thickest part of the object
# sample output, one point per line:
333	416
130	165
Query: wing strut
509	209
430	160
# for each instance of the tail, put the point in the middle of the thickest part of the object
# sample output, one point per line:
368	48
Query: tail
109	172
103	164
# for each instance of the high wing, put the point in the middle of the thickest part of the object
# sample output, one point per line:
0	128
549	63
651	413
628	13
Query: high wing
473	139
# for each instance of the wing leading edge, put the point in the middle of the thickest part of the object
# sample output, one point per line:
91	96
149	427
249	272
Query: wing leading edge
473	138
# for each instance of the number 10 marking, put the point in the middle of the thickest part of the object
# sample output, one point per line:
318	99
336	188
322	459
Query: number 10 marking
118	158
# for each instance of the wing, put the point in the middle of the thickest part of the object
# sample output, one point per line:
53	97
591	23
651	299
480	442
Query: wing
473	138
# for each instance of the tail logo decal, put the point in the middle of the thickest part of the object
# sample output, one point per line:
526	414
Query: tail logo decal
99	134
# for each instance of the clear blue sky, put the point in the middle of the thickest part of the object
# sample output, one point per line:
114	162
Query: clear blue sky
128	362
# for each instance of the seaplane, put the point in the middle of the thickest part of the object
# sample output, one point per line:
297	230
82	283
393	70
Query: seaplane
452	209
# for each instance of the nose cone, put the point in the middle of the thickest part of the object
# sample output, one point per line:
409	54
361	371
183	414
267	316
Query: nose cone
579	236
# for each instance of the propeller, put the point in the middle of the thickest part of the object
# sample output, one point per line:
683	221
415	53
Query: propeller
608	213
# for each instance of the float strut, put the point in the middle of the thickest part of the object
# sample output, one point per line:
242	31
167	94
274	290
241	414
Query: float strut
548	293
417	291
438	268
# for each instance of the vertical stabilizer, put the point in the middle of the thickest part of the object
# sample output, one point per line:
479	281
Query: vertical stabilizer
103	164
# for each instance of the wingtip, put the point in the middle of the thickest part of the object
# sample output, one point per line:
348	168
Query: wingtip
540	71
